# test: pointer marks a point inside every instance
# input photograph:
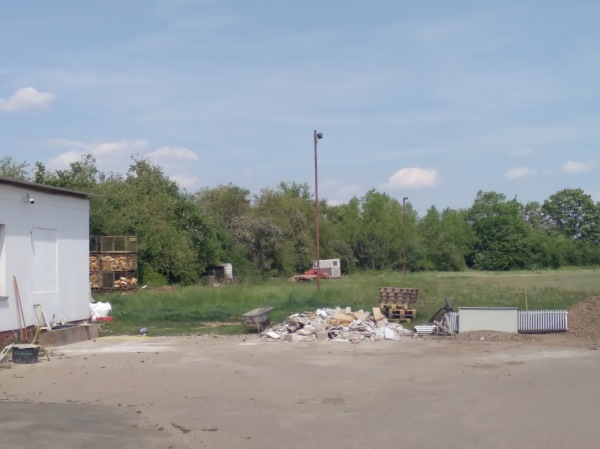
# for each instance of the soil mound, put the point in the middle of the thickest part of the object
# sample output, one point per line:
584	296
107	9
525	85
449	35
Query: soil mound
584	318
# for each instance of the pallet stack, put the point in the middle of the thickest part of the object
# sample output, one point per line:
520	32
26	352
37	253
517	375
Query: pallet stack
397	303
399	313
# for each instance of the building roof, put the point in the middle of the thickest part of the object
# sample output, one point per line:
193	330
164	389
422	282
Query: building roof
43	188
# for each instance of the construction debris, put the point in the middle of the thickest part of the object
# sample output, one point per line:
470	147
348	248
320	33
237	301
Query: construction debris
337	325
99	310
425	329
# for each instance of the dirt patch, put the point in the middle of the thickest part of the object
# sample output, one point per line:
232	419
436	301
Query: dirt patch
584	318
494	336
242	392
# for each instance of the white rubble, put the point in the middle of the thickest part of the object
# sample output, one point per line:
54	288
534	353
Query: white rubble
339	324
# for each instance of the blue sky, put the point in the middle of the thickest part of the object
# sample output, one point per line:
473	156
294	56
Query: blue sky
427	100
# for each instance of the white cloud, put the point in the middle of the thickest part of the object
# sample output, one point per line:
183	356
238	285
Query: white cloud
63	160
520	172
108	154
66	143
169	153
576	167
115	148
115	157
335	187
26	98
185	181
413	178
522	152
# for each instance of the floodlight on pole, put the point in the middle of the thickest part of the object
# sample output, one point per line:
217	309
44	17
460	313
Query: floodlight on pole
317	137
404	230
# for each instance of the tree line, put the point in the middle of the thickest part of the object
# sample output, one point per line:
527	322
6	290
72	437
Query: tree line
272	233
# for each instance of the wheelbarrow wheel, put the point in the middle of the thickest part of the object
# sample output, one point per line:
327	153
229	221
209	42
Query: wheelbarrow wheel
263	326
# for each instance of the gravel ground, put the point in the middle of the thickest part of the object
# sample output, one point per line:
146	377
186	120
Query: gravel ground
243	392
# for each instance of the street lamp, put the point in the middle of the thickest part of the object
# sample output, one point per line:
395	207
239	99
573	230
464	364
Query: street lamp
317	136
404	230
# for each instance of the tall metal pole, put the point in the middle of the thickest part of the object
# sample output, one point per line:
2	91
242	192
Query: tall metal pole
317	215
404	230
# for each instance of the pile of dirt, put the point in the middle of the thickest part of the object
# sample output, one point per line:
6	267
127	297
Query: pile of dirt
584	318
491	336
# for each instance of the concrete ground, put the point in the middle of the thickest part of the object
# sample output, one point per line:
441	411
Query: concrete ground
197	392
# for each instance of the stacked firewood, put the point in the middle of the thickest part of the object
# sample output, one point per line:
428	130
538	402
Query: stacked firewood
94	263
124	282
107	262
95	280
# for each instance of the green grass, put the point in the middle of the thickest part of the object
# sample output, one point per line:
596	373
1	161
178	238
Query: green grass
189	310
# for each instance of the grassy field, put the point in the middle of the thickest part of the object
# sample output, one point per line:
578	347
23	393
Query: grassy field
208	309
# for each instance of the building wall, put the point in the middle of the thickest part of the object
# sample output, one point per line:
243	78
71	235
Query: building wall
45	245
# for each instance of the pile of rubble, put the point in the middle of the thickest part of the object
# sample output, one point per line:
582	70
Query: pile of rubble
337	325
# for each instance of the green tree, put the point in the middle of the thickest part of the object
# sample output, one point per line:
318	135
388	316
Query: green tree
263	240
533	213
224	204
174	238
290	208
502	236
81	175
344	223
574	214
12	169
442	240
379	241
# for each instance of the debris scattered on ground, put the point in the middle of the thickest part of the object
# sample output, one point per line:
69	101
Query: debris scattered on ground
99	310
338	325
584	318
426	329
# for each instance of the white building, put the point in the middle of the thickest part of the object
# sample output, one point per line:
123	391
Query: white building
44	245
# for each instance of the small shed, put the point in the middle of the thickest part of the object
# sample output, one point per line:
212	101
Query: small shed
331	266
220	273
44	242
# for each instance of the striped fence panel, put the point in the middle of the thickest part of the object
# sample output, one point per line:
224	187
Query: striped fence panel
451	321
543	321
530	322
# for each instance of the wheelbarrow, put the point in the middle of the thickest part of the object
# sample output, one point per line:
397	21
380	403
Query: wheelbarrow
258	318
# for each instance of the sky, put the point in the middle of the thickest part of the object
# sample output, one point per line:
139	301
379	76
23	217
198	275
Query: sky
432	100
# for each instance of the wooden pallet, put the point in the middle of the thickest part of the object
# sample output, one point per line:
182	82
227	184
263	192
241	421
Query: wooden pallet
395	306
398	295
401	313
400	320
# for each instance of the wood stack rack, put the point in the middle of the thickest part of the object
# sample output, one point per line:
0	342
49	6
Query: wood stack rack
397	303
113	262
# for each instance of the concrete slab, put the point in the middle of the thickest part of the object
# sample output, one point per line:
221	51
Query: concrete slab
59	426
69	335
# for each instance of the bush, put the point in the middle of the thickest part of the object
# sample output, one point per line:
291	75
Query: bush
149	276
